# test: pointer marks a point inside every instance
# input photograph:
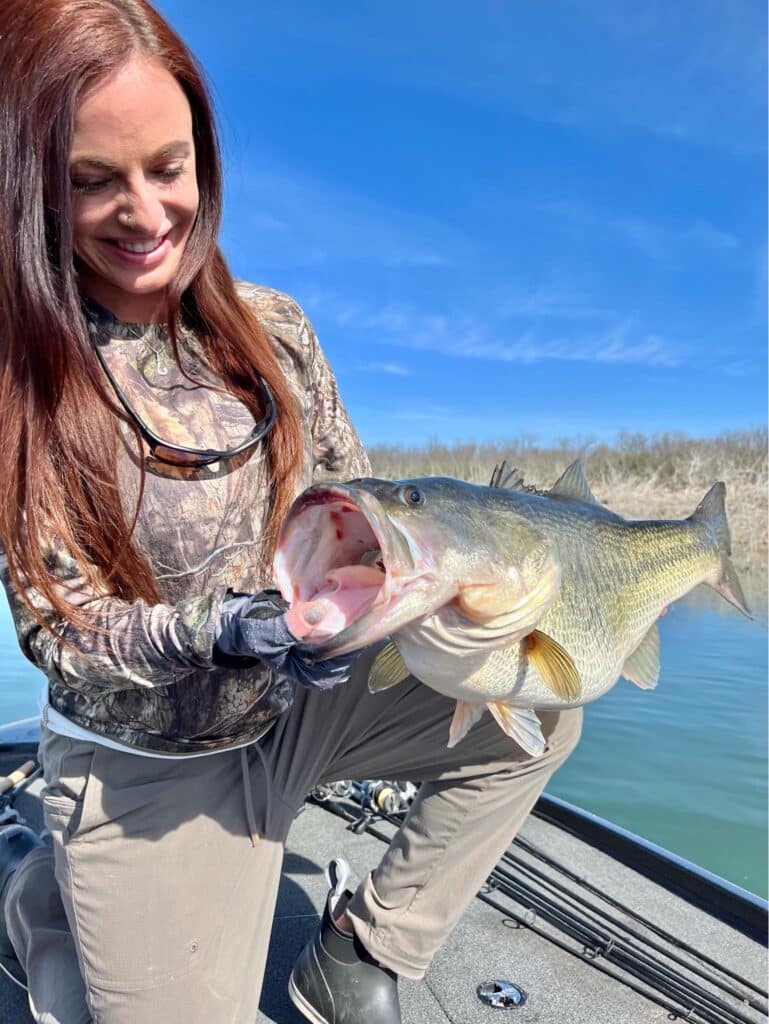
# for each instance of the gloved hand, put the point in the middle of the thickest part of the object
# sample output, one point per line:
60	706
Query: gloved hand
253	627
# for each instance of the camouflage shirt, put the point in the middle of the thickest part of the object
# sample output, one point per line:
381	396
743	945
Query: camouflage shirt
148	680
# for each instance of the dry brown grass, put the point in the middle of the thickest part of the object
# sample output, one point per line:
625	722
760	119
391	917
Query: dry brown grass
640	477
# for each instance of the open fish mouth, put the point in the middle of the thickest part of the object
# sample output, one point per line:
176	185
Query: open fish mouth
343	567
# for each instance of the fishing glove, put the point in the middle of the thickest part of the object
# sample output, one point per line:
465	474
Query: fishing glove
253	628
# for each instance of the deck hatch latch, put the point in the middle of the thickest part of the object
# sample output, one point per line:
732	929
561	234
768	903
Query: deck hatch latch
502	995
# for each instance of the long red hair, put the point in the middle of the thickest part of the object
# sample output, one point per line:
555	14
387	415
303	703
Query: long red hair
57	419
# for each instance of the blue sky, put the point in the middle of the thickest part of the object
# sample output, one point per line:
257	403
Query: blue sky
505	218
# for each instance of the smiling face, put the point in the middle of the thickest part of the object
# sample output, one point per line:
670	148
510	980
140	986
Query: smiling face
135	192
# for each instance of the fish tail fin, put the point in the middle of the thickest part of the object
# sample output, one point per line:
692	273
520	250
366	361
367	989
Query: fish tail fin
728	586
711	514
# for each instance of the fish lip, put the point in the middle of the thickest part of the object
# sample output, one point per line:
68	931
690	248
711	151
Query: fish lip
399	556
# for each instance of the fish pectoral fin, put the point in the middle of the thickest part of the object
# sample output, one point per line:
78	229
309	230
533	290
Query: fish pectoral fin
388	669
572	483
465	717
521	725
642	667
554	665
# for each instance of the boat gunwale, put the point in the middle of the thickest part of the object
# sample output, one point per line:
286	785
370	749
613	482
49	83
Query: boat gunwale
727	902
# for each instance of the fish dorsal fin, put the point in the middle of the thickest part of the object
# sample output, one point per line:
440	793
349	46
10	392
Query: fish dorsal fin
388	669
642	667
572	483
465	716
521	725
554	665
506	478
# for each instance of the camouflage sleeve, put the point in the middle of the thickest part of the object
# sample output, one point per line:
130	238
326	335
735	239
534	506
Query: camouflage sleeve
337	449
131	644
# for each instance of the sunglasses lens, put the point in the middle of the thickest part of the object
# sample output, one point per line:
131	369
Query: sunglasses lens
177	458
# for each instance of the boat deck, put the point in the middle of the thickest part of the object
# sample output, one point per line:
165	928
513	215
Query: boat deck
586	970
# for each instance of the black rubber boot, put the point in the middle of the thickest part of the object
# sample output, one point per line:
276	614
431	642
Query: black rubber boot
16	841
334	980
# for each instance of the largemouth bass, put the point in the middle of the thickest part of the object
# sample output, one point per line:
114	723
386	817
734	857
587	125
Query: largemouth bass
507	600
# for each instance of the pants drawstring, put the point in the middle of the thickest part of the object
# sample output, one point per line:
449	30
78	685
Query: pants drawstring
248	797
248	793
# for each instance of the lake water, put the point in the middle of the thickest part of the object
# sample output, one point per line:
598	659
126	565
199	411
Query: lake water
684	765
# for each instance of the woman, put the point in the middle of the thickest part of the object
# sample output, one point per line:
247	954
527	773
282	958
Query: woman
156	421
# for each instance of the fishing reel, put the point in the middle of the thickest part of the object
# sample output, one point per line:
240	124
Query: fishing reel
375	796
332	790
382	796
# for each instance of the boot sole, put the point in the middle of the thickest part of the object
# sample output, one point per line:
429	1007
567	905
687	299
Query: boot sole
302	1005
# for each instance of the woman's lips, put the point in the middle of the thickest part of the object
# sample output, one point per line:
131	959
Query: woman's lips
161	247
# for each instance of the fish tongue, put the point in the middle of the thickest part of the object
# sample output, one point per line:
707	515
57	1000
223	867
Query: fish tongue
315	620
347	592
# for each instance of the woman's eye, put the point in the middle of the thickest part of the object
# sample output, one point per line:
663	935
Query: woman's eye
79	185
169	173
89	185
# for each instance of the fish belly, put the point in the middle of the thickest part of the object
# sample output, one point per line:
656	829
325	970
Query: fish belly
451	662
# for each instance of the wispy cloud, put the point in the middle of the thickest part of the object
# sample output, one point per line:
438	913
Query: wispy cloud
392	369
661	242
290	220
551	301
622	344
624	341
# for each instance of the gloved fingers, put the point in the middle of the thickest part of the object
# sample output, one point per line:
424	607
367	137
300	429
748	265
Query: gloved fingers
322	675
254	625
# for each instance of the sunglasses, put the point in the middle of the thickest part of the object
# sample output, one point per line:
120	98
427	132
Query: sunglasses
179	454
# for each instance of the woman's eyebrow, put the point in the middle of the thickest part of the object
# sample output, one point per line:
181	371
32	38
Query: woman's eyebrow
92	161
178	148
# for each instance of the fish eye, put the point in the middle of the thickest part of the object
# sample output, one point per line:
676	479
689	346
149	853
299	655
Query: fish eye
413	496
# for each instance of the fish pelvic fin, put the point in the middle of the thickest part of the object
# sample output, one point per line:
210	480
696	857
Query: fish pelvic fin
465	717
642	667
711	514
572	483
521	725
387	670
554	665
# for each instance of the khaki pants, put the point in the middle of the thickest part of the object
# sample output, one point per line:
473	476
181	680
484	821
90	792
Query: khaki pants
154	906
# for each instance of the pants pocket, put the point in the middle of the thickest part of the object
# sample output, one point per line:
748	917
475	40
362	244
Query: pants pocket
71	799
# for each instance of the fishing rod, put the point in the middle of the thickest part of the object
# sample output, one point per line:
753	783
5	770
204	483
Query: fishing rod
13	784
589	929
611	946
533	850
673	1009
542	878
663	995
